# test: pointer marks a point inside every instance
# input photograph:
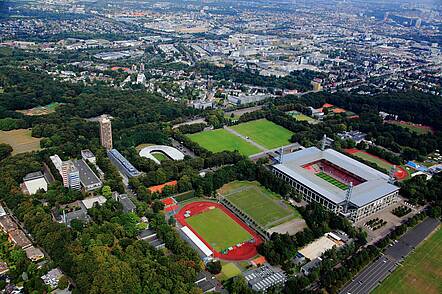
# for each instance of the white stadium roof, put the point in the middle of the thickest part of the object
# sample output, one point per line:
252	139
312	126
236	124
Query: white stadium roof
376	184
171	152
197	241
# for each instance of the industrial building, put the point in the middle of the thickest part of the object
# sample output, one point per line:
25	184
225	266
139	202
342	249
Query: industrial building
338	182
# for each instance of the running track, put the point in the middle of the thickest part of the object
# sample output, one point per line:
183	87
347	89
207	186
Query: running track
246	251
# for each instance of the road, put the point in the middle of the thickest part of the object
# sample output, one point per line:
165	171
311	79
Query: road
381	268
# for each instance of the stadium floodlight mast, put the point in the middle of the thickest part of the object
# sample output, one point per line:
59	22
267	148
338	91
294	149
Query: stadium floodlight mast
348	196
281	154
392	178
324	141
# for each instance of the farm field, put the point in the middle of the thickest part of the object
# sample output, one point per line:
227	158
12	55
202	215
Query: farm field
416	128
401	173
421	272
20	140
218	229
265	133
222	140
332	180
265	207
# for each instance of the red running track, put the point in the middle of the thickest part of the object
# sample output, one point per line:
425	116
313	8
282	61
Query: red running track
246	251
400	173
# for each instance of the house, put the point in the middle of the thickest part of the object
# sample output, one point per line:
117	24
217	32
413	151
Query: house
150	236
126	202
2	211
3	268
33	182
310	266
88	203
7	224
206	282
52	278
68	212
19	239
34	254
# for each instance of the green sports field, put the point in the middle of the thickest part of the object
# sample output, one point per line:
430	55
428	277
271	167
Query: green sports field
222	140
332	180
160	156
421	272
265	207
374	159
265	133
218	229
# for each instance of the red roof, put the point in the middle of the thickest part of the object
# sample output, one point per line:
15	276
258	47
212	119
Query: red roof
327	105
338	110
159	188
168	201
171	208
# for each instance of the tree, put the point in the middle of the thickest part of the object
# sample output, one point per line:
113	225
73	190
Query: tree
106	191
157	206
63	283
5	151
214	267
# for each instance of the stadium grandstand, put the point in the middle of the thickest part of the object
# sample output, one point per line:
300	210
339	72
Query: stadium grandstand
338	182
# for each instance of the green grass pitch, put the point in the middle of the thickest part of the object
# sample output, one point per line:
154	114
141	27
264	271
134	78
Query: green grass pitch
222	140
332	181
265	133
218	229
373	159
421	272
263	206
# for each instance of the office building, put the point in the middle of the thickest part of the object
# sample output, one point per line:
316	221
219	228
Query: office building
70	175
88	178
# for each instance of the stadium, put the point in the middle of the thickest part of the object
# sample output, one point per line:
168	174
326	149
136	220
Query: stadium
338	182
217	232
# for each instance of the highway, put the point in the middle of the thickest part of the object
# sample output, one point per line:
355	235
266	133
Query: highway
379	269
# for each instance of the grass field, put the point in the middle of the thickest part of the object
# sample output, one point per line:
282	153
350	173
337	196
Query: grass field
381	163
332	180
300	117
41	110
420	130
20	140
160	156
218	229
421	272
265	133
222	140
265	207
228	271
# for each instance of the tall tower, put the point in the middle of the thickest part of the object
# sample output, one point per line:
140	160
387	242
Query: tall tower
105	132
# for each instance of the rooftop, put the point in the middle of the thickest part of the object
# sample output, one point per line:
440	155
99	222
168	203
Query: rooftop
376	183
87	176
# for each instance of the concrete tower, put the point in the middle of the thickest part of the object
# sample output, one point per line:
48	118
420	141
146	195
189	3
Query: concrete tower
105	132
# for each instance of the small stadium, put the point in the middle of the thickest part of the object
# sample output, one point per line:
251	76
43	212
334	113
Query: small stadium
217	232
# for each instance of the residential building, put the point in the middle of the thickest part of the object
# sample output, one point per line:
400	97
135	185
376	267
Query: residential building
126	202
19	239
34	254
70	175
105	132
7	224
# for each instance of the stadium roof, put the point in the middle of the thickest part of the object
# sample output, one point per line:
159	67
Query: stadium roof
197	241
376	184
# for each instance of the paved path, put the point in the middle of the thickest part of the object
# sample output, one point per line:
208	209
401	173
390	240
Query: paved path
381	268
245	138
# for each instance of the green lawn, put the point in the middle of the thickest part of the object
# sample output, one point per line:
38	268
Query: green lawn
373	159
421	272
412	128
332	180
160	156
228	271
222	140
218	229
265	133
265	207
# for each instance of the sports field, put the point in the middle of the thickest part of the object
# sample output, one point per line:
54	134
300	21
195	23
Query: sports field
41	110
416	128
401	173
222	140
228	271
265	133
160	156
300	117
265	207
421	272
20	140
218	229
332	180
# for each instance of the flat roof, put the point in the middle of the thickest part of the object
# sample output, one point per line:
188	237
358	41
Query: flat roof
87	176
376	183
318	247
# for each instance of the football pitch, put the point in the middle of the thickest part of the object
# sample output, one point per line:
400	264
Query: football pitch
218	229
421	272
222	140
265	207
265	133
332	180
